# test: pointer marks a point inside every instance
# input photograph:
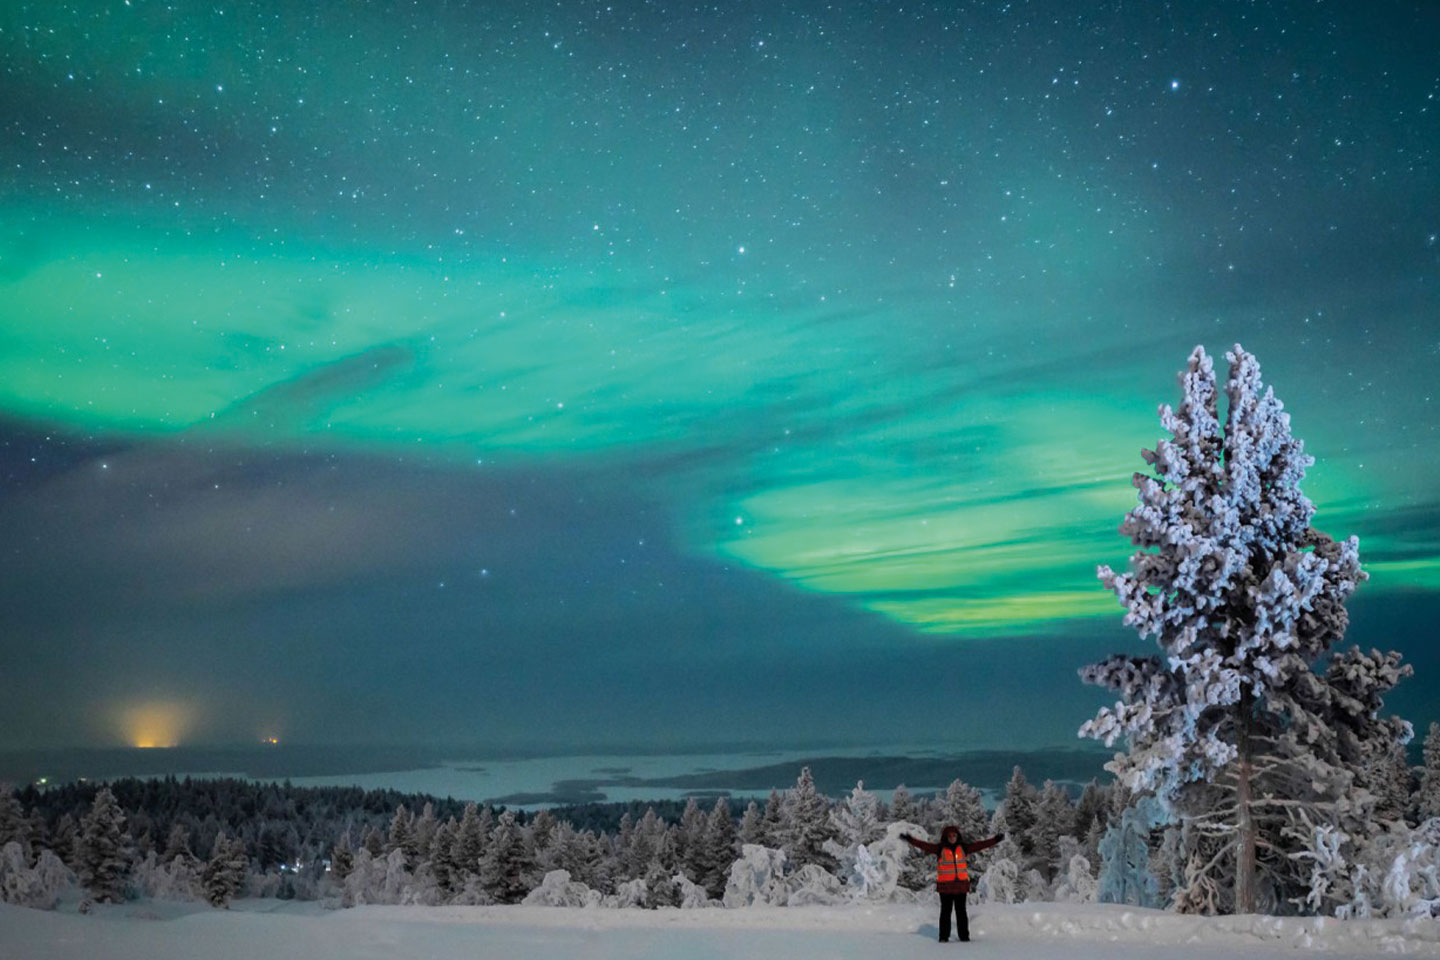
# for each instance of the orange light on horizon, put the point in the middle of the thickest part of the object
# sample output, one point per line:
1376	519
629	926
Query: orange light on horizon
156	725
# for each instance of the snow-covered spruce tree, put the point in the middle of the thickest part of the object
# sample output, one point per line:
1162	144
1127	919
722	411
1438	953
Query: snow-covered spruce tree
103	849
423	832
648	841
856	821
402	835
1055	818
1231	726
373	842
14	827
41	837
342	857
177	845
750	824
1015	816
472	839
902	805
1091	812
718	848
224	874
772	827
540	847
443	863
687	838
805	824
572	852
961	805
505	867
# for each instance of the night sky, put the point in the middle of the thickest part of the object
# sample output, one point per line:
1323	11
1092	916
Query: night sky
618	372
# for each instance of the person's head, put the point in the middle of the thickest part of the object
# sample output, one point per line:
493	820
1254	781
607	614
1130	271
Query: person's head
950	835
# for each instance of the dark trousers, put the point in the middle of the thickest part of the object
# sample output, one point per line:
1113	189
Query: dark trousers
954	901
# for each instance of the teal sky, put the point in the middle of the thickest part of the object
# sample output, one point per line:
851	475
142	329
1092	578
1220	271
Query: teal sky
378	368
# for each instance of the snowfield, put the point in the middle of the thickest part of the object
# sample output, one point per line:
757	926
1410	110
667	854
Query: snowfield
261	929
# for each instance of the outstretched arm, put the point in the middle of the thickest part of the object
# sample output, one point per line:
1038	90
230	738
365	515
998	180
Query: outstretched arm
921	845
979	845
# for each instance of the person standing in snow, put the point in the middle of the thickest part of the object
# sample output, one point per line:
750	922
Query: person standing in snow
952	877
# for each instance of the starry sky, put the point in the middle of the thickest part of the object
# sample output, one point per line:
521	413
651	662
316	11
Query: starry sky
662	373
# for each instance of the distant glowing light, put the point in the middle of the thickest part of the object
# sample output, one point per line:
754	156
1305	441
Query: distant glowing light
272	741
1174	84
153	725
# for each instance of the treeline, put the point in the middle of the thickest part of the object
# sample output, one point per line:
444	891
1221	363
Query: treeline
219	839
215	839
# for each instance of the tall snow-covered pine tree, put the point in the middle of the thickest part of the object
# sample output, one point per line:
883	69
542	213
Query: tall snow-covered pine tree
1230	722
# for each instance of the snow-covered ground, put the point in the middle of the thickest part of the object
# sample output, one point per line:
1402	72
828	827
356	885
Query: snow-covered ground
270	928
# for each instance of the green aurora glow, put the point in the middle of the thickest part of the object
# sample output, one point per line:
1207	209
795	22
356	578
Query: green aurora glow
968	494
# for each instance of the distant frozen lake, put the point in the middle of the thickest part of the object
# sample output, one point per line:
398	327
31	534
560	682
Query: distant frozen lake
533	781
607	777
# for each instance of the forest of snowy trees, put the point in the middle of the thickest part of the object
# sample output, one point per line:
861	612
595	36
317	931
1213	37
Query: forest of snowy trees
215	840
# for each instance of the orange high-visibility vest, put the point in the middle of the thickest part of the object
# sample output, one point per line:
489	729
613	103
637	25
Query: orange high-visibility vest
952	865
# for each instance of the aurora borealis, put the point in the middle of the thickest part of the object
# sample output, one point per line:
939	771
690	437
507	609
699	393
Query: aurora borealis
653	372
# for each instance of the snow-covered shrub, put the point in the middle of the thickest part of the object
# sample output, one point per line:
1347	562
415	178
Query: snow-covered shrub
813	884
691	895
1198	890
916	871
757	878
880	865
631	893
868	878
1000	883
397	876
365	882
1078	883
660	888
558	890
423	887
1034	888
178	879
471	894
1398	876
1330	872
25	885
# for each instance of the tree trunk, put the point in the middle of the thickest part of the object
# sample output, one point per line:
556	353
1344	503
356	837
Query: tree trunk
1245	838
